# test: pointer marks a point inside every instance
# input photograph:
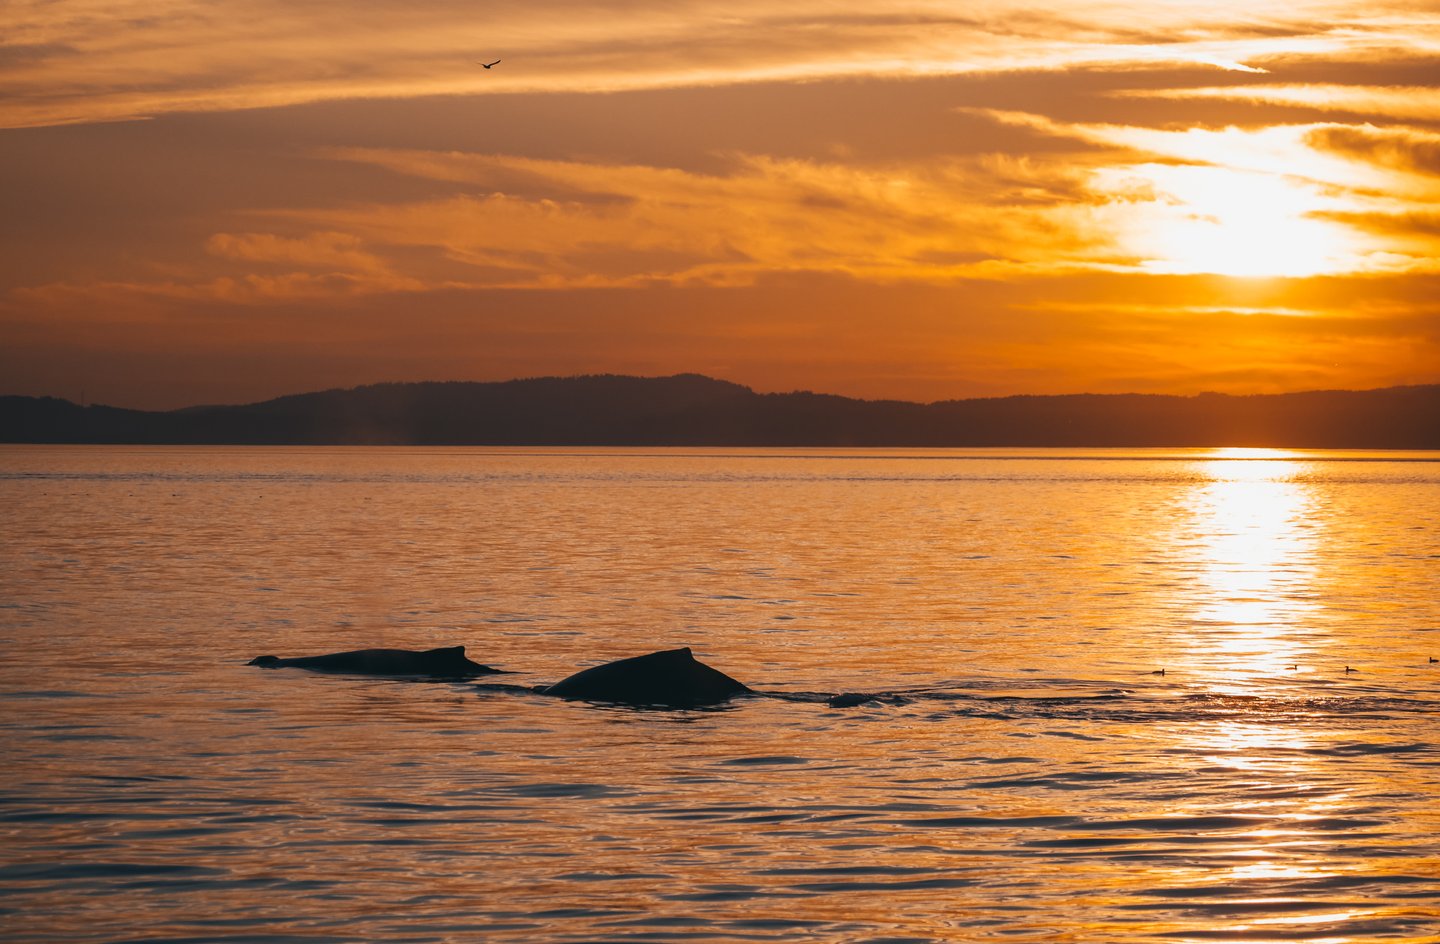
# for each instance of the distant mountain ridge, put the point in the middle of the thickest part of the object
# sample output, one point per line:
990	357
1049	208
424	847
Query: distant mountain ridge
691	410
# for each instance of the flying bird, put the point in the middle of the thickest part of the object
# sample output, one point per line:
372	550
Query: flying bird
487	64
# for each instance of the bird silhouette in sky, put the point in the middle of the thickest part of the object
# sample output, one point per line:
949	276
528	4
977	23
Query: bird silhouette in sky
487	64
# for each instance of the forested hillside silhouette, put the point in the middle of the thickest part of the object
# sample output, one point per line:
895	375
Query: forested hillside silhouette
691	410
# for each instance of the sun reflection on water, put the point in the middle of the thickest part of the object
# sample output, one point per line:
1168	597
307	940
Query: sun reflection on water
1251	748
1252	536
1266	871
1250	528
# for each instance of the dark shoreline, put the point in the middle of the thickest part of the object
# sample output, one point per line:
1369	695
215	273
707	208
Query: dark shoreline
690	410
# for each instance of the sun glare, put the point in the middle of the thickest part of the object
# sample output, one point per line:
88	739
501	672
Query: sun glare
1255	562
1214	220
1251	452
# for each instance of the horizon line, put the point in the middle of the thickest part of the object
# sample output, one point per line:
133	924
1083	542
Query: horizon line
89	403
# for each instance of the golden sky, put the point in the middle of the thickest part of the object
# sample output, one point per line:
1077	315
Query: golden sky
222	202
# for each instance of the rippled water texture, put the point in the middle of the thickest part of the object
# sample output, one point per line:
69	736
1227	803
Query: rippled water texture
1024	776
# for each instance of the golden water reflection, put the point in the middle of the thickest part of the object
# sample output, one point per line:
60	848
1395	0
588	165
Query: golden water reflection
1269	873
1253	536
1250	528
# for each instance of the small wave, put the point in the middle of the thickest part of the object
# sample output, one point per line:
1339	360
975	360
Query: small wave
986	822
102	870
1362	749
551	791
918	884
774	760
1078	780
1129	708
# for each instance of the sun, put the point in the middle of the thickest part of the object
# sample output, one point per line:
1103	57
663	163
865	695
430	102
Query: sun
1220	221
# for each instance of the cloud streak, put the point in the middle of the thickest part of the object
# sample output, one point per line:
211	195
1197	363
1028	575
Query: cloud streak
1406	102
631	224
108	60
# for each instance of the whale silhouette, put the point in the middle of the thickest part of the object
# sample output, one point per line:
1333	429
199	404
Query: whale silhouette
672	678
446	662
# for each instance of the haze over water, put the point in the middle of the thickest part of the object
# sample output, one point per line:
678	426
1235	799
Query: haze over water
1024	776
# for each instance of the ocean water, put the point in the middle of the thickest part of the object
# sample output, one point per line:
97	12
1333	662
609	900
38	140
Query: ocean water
1024	776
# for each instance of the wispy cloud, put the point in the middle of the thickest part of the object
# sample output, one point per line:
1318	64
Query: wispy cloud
600	224
1416	102
1407	150
338	250
105	60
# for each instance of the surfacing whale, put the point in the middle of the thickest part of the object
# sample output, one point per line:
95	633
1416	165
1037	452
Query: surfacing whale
447	662
672	678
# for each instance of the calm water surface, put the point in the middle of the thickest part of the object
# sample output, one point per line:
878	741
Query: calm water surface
1024	778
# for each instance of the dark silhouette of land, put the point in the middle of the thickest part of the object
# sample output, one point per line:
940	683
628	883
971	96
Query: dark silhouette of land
690	410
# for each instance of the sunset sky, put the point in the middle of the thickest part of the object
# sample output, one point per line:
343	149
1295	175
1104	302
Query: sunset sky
221	202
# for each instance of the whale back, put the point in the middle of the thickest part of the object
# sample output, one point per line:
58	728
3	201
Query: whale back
444	662
671	678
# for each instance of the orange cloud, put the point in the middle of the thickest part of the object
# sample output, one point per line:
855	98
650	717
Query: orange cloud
338	250
1400	149
1405	102
109	60
632	224
251	289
